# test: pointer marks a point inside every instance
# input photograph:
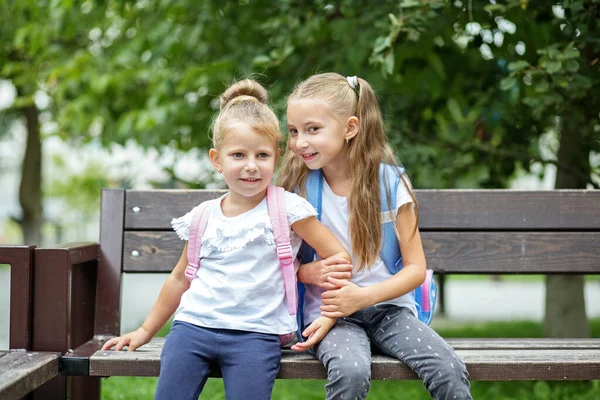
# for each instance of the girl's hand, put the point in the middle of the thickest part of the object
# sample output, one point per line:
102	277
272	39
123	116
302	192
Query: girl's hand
132	340
315	332
344	300
317	272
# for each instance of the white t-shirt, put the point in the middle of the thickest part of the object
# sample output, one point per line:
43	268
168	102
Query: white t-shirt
335	216
239	283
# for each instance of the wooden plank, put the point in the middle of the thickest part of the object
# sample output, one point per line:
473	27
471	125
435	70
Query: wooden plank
495	209
154	209
110	260
486	359
509	209
446	252
21	371
20	259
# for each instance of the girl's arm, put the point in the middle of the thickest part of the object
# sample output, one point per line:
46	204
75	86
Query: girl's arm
349	298
313	232
317	272
327	246
164	307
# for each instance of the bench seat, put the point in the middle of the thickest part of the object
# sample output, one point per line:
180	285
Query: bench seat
24	371
486	359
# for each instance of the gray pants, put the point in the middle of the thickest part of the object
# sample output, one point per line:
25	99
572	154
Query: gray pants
395	331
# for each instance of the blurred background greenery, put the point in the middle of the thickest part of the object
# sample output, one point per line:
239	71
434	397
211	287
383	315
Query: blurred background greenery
475	94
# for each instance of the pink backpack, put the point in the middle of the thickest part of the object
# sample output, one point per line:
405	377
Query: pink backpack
281	232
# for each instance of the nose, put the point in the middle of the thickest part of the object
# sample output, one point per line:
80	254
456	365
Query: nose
302	143
250	166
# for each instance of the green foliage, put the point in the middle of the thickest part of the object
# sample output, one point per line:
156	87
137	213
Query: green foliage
467	88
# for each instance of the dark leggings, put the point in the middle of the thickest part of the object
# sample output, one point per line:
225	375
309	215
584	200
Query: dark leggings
249	362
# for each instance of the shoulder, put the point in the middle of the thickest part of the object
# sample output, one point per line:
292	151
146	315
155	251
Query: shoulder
297	207
182	224
293	200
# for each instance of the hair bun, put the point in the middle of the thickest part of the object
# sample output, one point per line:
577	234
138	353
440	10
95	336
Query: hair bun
244	88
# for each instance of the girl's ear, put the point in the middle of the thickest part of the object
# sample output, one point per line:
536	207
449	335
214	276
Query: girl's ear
213	154
351	127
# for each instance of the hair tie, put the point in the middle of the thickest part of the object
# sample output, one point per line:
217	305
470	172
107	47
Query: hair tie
352	81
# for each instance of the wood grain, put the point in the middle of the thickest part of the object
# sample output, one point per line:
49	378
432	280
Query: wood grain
446	252
23	371
495	209
486	359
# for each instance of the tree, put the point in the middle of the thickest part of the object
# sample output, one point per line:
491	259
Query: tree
459	81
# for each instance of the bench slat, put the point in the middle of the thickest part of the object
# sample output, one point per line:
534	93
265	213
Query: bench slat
449	252
440	209
21	371
486	359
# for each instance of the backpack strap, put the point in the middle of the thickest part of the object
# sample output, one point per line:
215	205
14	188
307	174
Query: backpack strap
390	250
281	232
314	195
197	227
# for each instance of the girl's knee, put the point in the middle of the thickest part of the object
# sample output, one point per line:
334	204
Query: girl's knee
348	382
449	381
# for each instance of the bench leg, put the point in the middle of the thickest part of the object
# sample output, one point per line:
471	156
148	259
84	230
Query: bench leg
85	388
442	294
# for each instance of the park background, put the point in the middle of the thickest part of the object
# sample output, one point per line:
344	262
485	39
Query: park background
475	94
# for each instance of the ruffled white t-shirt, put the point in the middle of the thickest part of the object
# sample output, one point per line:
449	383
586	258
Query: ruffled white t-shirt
335	214
239	283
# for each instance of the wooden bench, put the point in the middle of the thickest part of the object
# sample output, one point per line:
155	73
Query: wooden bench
77	294
23	371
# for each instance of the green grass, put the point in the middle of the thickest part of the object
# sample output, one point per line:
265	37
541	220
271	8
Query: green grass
125	388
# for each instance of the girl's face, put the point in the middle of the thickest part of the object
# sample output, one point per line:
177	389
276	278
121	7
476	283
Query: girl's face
317	136
247	160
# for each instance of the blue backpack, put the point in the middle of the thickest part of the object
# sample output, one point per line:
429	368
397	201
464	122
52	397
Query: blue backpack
425	295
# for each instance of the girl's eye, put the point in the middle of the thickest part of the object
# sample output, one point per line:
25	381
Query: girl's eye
293	132
263	155
313	129
238	155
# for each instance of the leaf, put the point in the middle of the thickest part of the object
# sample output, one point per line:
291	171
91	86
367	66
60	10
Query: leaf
542	86
261	60
572	65
455	111
381	44
389	63
507	83
519	65
553	66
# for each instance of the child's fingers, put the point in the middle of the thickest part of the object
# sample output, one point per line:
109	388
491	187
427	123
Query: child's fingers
337	282
339	275
309	330
329	307
335	260
110	343
312	340
328	286
122	343
332	314
300	346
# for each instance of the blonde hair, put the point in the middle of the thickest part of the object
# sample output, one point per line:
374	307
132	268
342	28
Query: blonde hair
245	102
366	151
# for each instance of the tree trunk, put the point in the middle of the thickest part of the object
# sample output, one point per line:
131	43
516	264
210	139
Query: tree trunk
565	301
30	190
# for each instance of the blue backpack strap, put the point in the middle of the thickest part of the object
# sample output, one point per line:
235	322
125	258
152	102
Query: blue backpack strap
306	254
390	250
314	194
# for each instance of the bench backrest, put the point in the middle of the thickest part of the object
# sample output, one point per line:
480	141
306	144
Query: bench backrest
463	231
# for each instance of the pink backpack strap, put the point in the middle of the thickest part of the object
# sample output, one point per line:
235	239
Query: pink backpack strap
197	227
281	231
